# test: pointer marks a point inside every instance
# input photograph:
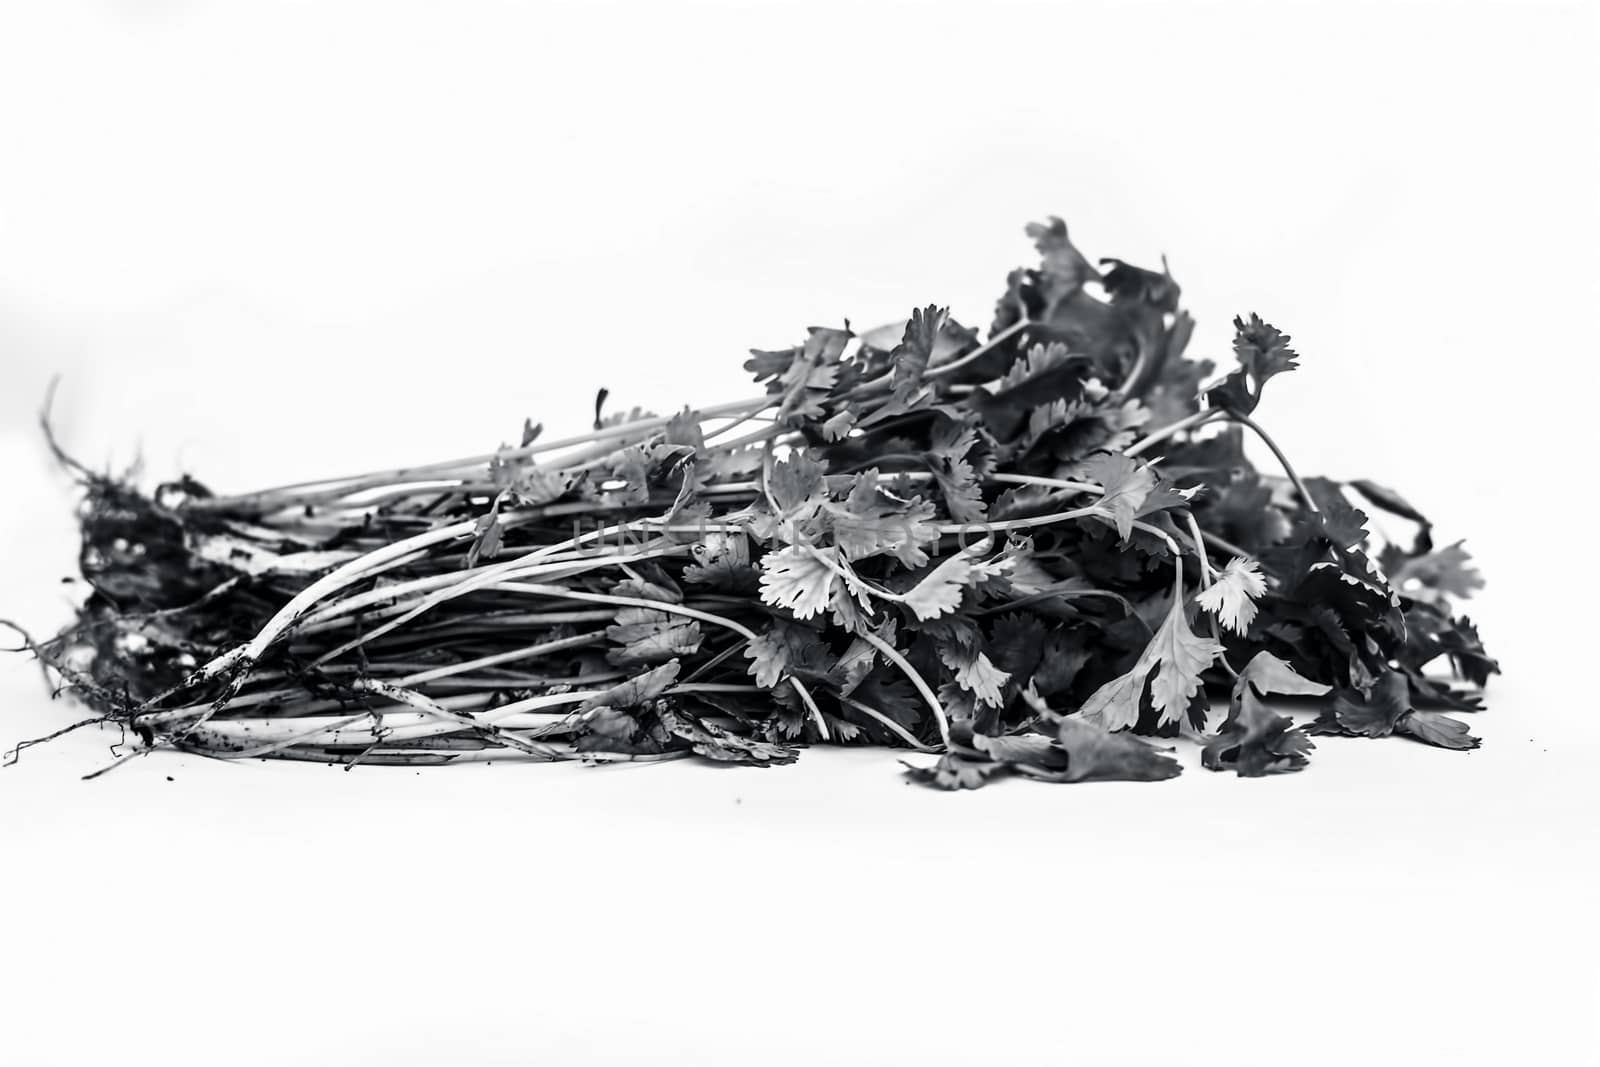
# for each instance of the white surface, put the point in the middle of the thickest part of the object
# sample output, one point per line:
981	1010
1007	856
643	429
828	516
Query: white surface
264	242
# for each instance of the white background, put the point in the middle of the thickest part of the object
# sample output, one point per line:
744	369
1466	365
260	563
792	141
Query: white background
265	242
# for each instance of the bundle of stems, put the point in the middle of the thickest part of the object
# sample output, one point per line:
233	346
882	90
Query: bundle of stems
1010	550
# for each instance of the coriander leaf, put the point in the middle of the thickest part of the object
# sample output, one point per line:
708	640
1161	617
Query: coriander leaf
683	429
1241	508
837	427
611	728
486	538
634	731
1044	374
940	590
975	673
799	578
1030	753
974	759
1017	642
1432	631
1372	713
1263	352
857	661
714	743
1168	496
1232	596
764	366
882	340
954	771
1095	420
874	521
1126	484
1270	675
850	605
636	690
649	636
620	418
1129	284
1343	524
1432	693
1079	752
813	370
796	484
1063	270
909	360
1255	741
889	692
1063	657
787	648
1389	500
952	448
640	589
910	357
1433	728
1175	393
722	561
1468	658
1094	754
1445	571
1171	664
734	465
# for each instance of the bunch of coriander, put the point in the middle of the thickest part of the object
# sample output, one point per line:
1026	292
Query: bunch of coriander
1016	552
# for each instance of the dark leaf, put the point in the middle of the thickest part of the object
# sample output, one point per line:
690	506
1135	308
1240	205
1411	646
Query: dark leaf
1433	728
1373	713
1096	755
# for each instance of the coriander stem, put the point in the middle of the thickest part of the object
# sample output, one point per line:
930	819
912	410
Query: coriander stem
1049	483
979	352
766	433
1173	546
811	705
1283	460
308	712
883	720
1199	550
527	652
1020	524
1205	583
1187	423
894	657
1226	546
938	370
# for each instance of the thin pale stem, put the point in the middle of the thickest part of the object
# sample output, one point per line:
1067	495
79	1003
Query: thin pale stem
1020	524
982	350
941	369
1283	460
887	723
1227	546
1048	483
1187	423
515	655
350	483
1205	583
891	654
